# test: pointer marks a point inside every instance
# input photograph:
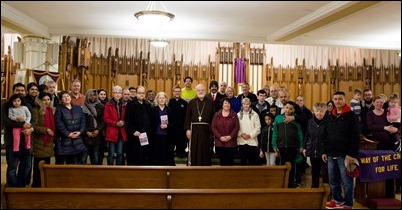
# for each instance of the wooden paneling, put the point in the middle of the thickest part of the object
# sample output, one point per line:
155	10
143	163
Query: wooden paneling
313	83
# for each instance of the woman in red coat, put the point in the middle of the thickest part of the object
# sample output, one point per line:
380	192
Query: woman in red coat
115	135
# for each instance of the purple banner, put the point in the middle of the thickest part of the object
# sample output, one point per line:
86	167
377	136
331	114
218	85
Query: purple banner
240	70
377	165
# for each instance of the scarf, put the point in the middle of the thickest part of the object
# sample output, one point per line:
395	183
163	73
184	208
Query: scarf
49	123
89	106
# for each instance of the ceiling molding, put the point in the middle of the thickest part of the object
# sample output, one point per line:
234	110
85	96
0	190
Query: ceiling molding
21	23
321	18
327	23
373	45
13	28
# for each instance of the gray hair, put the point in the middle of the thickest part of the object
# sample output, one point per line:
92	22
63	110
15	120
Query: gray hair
116	88
250	112
246	100
49	82
319	106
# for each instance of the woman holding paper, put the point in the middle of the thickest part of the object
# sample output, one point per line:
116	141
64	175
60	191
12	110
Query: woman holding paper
162	146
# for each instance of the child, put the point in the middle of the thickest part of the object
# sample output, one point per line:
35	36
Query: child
18	112
266	140
273	109
394	117
287	140
314	138
355	103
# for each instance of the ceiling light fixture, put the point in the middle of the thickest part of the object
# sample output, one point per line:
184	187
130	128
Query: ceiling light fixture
156	13
159	42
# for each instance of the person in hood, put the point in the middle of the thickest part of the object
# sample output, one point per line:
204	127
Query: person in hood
341	144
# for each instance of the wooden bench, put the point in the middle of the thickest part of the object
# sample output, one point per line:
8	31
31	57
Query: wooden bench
164	177
274	198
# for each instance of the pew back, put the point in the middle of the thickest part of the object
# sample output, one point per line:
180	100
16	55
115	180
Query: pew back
274	198
164	177
229	177
88	176
83	198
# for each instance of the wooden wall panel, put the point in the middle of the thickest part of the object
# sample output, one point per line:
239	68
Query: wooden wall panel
292	87
159	85
324	96
310	94
169	87
313	83
348	87
151	85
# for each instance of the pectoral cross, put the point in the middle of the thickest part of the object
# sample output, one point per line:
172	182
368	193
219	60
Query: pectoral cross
199	118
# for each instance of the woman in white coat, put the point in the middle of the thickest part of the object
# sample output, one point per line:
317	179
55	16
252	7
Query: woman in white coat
247	138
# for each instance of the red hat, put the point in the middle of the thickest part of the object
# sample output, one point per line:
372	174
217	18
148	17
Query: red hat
352	170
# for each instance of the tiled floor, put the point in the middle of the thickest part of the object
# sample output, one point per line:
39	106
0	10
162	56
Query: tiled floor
306	182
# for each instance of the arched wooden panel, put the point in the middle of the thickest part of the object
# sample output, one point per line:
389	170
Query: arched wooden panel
324	96
310	94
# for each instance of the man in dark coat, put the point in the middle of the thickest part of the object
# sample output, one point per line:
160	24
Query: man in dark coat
200	112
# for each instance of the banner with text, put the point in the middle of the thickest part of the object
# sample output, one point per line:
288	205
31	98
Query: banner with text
377	165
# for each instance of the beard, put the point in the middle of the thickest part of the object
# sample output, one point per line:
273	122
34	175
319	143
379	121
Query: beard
201	95
368	101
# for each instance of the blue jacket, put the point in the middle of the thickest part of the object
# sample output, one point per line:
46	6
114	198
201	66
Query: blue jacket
68	121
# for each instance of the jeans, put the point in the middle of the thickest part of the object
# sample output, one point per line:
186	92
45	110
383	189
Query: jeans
72	159
18	166
337	176
93	153
115	147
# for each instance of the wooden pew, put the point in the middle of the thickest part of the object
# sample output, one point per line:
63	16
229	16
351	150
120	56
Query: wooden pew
274	198
270	198
83	198
229	177
90	176
164	177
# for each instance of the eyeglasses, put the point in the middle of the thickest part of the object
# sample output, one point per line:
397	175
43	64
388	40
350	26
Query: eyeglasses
140	92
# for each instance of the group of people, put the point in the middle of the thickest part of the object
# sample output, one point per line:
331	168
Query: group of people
149	128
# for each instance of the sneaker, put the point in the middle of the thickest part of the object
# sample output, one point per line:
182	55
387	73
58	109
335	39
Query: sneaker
334	205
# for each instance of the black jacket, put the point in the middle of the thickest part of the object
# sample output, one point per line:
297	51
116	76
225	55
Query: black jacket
315	136
342	134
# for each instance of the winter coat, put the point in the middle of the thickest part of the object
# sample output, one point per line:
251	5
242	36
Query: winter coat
68	121
40	150
110	117
315	136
